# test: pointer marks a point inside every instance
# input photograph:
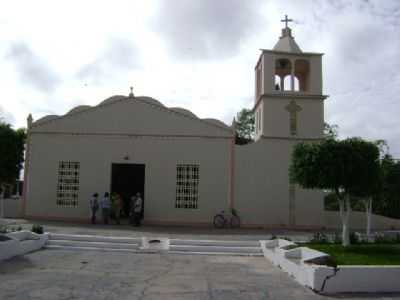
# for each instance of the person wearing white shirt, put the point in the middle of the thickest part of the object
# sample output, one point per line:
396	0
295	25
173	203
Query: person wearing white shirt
137	209
105	205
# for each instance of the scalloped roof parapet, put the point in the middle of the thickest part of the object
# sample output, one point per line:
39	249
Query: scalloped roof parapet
183	111
46	118
112	99
78	108
148	100
216	122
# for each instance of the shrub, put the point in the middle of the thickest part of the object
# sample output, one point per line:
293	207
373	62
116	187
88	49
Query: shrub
3	229
337	239
354	238
37	229
234	212
381	238
319	238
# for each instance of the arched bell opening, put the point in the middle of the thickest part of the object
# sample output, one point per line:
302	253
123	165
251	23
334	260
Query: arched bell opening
287	83
278	86
302	72
283	69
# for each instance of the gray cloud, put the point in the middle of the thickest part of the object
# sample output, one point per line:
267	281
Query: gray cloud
31	68
361	70
119	56
6	117
207	28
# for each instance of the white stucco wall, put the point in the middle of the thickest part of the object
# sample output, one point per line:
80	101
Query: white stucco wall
276	118
96	153
358	221
262	187
12	207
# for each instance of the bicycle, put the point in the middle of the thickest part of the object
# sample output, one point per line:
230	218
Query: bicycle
222	219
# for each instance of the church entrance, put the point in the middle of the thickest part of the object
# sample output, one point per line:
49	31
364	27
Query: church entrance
128	180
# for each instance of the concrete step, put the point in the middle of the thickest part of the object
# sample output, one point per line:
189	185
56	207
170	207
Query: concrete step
94	238
72	243
77	248
208	248
215	243
217	253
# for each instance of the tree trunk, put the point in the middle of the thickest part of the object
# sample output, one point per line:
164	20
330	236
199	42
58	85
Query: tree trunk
368	211
345	210
2	190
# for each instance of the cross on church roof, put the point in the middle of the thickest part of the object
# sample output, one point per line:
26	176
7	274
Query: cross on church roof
286	20
131	93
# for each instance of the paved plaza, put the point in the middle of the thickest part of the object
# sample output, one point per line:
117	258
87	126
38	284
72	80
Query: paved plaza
71	274
60	274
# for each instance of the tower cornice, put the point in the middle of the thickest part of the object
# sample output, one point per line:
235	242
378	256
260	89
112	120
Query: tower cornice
292	53
291	95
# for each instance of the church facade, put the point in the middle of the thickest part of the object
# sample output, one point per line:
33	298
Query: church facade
187	168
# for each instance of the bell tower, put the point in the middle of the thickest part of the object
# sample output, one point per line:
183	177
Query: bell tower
288	92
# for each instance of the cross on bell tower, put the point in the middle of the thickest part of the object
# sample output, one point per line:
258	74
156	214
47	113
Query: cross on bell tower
286	20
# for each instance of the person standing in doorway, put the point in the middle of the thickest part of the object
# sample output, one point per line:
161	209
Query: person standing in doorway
132	210
138	209
117	205
94	206
105	205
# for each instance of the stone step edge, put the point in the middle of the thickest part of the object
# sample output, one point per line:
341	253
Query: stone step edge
77	237
216	253
72	242
137	251
222	248
223	243
50	247
59	247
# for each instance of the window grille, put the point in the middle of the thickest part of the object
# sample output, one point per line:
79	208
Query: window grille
187	186
68	184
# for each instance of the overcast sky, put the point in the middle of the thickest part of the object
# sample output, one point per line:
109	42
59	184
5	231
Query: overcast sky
198	54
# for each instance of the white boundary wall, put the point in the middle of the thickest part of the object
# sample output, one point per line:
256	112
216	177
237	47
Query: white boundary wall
358	221
347	279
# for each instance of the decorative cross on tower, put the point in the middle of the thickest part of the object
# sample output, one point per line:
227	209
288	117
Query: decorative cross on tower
286	20
293	109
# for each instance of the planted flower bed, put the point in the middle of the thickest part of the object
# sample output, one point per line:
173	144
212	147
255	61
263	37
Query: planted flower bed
361	254
327	267
13	243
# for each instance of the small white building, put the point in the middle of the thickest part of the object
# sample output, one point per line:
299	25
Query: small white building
186	168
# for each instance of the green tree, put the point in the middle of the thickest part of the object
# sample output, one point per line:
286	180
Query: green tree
11	154
331	131
344	167
245	126
388	201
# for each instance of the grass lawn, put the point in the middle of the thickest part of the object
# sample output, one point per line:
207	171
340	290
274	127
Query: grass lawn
362	254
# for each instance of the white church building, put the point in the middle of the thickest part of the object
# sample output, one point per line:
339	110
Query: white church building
187	168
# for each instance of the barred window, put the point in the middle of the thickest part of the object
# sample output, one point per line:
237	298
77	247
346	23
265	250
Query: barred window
187	186
68	184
